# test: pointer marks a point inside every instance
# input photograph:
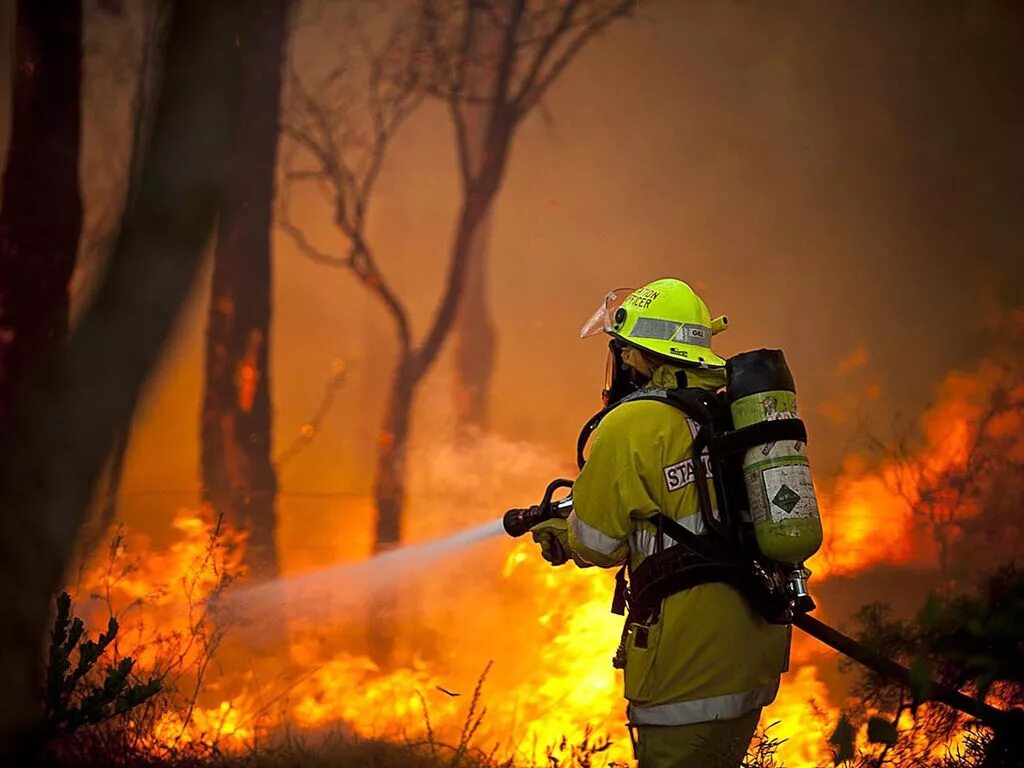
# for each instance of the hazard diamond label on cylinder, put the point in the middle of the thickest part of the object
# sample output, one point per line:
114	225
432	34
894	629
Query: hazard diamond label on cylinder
788	493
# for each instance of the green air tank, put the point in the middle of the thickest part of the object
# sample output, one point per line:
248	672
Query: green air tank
777	474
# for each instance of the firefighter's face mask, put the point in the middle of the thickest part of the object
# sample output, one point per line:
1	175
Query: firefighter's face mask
620	377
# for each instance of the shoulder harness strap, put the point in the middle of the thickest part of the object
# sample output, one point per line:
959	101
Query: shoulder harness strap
696	403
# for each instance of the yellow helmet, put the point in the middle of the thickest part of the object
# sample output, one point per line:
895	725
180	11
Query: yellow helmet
665	317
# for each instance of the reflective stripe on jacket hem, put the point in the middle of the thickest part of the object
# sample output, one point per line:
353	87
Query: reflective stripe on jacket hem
592	538
725	707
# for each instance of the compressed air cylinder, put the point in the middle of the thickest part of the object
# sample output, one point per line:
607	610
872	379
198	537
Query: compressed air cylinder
777	474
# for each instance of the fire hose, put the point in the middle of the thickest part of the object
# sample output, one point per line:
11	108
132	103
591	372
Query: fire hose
886	667
518	522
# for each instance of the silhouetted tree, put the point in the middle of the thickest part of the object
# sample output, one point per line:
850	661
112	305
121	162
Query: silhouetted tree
136	51
494	59
493	63
41	218
238	474
65	421
340	131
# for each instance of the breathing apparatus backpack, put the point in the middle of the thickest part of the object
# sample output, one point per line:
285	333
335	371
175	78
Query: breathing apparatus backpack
762	521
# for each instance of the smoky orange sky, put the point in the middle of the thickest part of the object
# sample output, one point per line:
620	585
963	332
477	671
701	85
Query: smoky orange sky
844	180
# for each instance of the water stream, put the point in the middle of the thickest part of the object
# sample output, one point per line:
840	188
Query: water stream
347	585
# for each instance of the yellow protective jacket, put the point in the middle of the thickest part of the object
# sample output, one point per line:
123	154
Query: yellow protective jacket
708	656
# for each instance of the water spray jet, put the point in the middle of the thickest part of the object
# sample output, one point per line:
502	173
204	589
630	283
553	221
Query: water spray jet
310	595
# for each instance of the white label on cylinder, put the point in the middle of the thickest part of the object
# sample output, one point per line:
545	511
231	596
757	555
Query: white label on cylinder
787	493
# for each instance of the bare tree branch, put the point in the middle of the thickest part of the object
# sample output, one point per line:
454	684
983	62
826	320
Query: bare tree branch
475	56
530	94
547	44
344	129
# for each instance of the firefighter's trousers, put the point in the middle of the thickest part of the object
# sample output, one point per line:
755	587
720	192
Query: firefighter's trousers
717	744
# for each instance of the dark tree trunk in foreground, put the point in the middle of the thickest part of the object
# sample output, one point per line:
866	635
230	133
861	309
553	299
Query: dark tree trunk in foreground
41	220
154	27
238	475
64	425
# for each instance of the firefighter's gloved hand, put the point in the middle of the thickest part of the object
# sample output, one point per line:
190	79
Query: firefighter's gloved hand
553	537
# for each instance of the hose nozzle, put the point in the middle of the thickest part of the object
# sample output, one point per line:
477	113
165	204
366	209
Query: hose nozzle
518	522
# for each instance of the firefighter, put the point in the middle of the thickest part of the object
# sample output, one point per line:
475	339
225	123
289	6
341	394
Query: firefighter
698	673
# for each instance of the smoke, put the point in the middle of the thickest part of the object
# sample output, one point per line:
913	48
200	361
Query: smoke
831	176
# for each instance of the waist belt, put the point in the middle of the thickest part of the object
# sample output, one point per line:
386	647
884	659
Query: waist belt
695	560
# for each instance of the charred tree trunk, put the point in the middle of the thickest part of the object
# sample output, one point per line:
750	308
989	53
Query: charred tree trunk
239	480
486	130
41	220
392	447
65	421
389	499
476	342
154	27
475	339
415	364
393	442
486	102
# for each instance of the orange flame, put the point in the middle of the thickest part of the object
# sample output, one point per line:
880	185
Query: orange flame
549	631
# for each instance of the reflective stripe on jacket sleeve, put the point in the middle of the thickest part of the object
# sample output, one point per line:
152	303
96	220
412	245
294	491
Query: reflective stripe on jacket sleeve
615	485
725	707
593	539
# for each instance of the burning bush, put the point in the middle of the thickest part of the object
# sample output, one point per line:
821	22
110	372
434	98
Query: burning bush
968	641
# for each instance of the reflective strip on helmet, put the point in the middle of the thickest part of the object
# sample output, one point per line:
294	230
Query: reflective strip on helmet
671	330
592	538
727	707
694	335
651	328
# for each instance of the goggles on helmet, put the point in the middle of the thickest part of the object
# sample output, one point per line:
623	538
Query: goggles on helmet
603	319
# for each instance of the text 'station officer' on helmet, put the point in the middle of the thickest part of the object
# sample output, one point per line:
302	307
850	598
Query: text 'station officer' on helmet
666	318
